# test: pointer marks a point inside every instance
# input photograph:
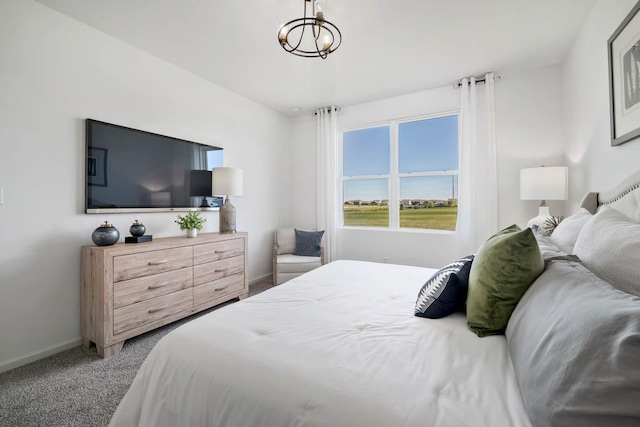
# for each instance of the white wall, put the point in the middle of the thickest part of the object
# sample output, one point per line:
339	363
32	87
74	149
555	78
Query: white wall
303	172
54	73
530	133
595	165
529	130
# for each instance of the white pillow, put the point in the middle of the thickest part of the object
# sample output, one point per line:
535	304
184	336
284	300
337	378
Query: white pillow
566	233
609	245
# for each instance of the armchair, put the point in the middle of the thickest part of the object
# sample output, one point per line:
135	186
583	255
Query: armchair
286	265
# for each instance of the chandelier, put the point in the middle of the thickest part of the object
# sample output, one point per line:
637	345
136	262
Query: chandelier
322	36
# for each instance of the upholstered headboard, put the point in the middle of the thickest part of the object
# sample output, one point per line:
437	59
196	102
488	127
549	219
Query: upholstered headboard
624	197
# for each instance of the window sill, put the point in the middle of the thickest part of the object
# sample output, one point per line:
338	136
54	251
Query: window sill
399	230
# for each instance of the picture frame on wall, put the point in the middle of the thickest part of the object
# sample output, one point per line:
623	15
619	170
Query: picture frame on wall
624	79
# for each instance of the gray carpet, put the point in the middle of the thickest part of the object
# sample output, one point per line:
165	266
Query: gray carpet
76	387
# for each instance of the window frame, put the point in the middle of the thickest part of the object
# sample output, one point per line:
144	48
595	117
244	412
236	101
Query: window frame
393	178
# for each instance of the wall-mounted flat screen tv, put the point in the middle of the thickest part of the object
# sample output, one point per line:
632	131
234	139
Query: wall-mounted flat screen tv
129	170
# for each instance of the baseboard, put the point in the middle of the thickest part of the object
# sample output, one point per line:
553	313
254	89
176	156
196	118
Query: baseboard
259	279
32	357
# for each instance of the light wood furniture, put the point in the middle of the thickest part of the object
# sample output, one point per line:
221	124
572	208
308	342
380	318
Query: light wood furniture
132	288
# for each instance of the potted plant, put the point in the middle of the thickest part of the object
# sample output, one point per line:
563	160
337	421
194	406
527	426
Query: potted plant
192	222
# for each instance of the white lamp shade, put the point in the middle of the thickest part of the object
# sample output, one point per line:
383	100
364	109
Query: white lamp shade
544	183
226	182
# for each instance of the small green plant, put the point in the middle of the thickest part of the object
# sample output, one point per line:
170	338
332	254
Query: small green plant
191	221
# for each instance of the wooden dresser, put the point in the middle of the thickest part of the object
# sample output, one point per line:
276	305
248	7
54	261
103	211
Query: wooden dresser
132	288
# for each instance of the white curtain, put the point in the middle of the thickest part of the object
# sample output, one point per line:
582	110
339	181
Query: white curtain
477	179
327	130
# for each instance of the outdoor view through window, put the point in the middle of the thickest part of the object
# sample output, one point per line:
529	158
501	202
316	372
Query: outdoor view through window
402	175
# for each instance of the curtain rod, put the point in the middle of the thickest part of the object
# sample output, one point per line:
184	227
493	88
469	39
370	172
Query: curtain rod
315	113
496	77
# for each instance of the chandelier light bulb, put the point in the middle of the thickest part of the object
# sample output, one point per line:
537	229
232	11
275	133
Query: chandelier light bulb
282	35
319	14
326	43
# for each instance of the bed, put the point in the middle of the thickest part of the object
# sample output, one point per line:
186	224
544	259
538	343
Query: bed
340	346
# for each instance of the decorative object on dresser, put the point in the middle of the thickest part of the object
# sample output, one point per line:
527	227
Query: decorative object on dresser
137	231
543	183
105	235
131	289
227	182
192	222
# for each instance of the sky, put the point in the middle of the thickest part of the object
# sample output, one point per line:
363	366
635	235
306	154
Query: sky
429	145
214	159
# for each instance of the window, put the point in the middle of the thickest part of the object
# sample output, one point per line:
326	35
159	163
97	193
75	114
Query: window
403	174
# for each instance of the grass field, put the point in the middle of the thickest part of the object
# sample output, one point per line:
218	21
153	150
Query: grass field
424	218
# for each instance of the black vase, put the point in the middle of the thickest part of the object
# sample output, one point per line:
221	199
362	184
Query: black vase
137	229
105	235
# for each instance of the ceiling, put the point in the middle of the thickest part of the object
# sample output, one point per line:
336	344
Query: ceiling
389	47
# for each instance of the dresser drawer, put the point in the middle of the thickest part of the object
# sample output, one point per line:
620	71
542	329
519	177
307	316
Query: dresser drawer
217	270
143	288
216	251
210	291
127	267
142	313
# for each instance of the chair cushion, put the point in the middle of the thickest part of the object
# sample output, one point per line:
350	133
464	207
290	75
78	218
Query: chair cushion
297	264
286	240
308	242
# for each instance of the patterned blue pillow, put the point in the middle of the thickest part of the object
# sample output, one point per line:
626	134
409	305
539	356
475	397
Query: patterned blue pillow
446	291
308	243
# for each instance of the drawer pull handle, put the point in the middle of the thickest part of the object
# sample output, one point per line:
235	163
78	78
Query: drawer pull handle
155	310
221	270
159	285
162	261
221	251
221	288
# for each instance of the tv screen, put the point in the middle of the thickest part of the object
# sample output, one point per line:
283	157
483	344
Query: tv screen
129	170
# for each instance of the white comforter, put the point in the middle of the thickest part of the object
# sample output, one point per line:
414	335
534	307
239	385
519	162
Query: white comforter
338	346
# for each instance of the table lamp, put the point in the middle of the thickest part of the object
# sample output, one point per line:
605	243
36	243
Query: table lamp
227	182
543	183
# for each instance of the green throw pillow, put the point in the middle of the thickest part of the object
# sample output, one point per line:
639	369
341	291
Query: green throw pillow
503	269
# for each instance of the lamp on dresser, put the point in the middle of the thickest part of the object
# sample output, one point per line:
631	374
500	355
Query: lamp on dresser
543	183
227	182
